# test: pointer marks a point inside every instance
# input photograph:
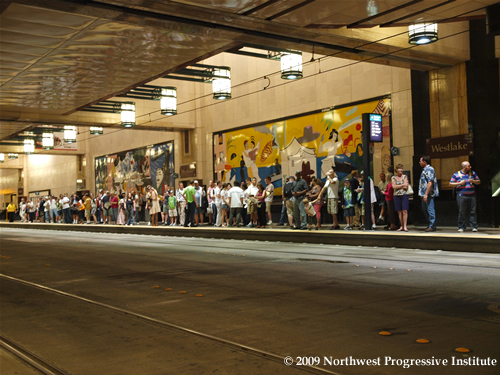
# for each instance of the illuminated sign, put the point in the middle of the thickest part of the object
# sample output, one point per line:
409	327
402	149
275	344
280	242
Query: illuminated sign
375	128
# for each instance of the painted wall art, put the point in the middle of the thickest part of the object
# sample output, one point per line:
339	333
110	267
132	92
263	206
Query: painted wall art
135	169
312	144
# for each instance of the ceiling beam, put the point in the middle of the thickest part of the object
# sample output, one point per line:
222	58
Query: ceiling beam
402	6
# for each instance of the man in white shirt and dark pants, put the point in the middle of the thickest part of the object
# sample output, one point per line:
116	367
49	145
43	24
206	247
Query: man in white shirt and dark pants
236	202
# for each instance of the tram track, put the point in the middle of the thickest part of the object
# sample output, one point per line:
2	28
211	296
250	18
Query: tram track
30	358
43	365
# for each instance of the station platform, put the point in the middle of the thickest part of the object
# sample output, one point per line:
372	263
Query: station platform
487	240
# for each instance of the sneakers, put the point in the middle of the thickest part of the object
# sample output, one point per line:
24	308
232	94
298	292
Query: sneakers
269	222
281	224
460	230
362	226
374	227
430	229
348	227
474	229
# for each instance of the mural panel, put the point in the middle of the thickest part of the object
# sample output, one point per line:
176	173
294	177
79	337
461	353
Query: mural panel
312	143
135	169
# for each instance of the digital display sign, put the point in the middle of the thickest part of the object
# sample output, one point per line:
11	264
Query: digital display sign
375	128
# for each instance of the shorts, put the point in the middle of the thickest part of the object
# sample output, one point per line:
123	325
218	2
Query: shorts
200	210
401	203
349	212
363	209
268	206
289	207
251	208
106	211
165	209
87	213
225	206
172	213
332	206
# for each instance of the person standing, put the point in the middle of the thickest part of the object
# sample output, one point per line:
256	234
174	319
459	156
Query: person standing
155	206
182	204
465	181
191	204
235	203
332	196
211	209
382	186
299	211
11	211
66	209
427	191
218	204
269	199
399	183
356	218
130	205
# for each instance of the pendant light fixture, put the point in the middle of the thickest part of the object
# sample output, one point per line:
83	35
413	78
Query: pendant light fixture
422	33
70	134
29	146
47	141
128	114
168	101
96	130
221	83
291	65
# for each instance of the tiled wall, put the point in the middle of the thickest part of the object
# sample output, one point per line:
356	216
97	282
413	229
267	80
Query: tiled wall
57	173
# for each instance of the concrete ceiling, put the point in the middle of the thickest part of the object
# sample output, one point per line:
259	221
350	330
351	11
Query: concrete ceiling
58	57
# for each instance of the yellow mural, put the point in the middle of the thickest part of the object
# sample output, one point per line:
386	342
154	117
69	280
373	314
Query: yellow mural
313	144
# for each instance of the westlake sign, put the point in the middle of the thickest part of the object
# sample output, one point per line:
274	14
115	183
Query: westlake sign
449	147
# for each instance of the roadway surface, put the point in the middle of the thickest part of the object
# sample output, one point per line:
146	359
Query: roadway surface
107	303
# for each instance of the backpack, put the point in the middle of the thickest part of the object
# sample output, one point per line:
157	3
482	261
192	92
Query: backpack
288	189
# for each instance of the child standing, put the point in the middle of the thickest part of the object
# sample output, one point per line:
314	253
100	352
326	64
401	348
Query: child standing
312	221
172	208
347	204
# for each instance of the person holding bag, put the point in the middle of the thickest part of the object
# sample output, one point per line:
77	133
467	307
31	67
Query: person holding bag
401	200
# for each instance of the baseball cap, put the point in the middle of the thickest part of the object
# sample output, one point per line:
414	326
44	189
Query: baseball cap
298	172
195	181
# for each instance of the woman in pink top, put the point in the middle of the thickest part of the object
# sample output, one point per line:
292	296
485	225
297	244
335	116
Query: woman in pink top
391	210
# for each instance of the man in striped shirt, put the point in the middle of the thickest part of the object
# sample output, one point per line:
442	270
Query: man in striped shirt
465	181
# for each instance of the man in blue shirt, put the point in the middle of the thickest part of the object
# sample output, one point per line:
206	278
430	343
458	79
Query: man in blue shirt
464	181
427	191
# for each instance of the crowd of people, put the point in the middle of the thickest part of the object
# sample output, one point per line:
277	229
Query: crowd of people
249	203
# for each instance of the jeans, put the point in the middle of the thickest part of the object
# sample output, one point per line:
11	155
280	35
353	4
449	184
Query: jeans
284	216
67	215
299	213
130	215
114	214
53	214
47	216
466	211
136	214
214	210
429	212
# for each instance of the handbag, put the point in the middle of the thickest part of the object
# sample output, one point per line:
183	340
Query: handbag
410	190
